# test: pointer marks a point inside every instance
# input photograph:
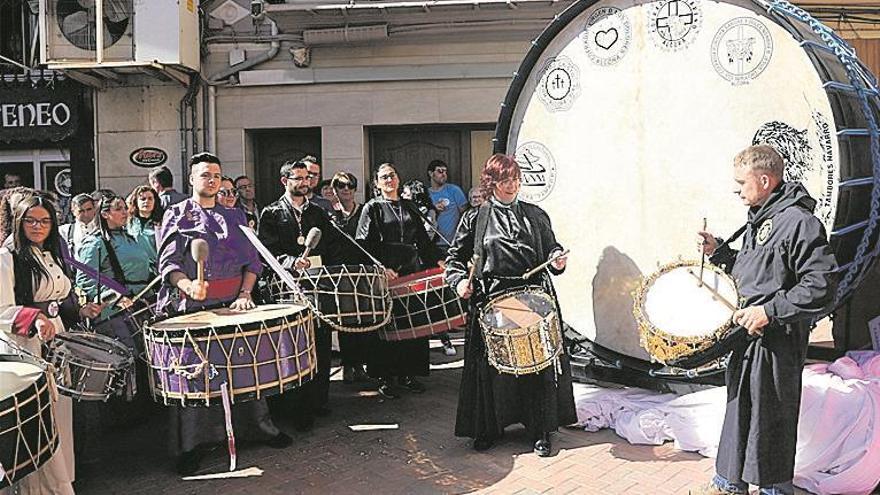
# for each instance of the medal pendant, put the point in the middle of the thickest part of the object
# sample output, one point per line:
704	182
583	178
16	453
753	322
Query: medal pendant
301	240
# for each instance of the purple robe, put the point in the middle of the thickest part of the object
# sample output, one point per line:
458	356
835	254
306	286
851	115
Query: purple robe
230	252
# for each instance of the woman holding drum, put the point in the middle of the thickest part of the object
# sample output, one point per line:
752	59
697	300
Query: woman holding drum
391	229
506	238
35	293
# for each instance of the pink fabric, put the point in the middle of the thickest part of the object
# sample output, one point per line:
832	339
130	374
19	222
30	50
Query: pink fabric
838	450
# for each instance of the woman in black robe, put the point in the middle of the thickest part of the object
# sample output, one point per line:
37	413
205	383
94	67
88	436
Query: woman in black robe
391	229
511	237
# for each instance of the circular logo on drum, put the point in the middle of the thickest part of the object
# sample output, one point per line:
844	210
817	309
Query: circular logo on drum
741	50
674	24
538	170
559	84
607	36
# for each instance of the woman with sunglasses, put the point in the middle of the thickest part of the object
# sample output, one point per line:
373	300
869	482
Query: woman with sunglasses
37	300
391	229
144	218
226	195
114	253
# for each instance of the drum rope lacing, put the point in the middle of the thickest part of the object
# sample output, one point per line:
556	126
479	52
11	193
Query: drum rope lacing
865	86
300	297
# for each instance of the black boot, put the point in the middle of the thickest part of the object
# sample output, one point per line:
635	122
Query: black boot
543	446
188	462
385	389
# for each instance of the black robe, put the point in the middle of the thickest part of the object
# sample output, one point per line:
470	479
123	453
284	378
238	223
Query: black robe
787	266
517	238
394	233
354	347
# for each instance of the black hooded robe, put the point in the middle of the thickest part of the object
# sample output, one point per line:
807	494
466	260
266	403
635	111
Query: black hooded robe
787	266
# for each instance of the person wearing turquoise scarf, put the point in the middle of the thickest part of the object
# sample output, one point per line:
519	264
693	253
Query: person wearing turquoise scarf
144	217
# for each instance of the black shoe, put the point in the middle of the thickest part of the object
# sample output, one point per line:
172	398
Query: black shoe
188	462
411	384
483	443
385	389
280	441
303	422
543	446
322	412
348	374
360	375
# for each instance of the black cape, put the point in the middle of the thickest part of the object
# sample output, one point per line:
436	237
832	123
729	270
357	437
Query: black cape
787	266
517	238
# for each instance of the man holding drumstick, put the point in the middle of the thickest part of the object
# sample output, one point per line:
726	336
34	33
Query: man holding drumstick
786	273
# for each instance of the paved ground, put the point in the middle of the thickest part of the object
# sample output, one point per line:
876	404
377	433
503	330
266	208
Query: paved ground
421	457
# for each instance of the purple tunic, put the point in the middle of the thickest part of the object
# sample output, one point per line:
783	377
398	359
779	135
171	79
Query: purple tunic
230	253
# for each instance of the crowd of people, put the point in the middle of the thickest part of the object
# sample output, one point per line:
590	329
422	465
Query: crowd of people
56	276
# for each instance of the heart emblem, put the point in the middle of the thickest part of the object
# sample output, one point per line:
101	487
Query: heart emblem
607	38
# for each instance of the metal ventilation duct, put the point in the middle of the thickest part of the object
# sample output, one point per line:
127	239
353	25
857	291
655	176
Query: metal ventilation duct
347	34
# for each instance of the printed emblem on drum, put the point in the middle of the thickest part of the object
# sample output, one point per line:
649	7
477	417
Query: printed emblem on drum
606	36
674	24
791	144
741	50
764	231
538	171
559	84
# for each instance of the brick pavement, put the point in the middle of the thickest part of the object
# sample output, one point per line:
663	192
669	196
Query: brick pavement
421	457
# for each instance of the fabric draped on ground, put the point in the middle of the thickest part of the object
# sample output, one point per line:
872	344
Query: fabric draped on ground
838	449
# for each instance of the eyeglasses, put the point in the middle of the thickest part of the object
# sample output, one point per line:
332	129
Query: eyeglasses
313	176
245	186
226	192
297	179
345	185
33	222
388	176
440	170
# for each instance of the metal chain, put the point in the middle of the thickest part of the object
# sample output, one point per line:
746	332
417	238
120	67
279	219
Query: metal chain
866	87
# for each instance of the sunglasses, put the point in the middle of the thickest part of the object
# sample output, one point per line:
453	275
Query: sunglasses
226	192
388	176
345	185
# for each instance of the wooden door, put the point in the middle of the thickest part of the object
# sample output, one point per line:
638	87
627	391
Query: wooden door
273	147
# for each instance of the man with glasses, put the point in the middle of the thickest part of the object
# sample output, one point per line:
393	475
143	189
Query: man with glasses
449	201
284	226
244	186
314	172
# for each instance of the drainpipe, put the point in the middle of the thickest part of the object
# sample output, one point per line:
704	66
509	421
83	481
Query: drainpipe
220	77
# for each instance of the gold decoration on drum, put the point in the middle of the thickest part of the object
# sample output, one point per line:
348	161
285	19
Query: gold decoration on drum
664	346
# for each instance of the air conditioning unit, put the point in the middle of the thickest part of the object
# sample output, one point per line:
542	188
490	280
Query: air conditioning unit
132	32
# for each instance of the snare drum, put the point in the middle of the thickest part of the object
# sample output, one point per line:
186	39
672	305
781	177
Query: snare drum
90	366
521	330
27	424
349	298
681	317
422	305
260	352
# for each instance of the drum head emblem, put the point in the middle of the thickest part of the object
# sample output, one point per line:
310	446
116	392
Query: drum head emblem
538	171
741	50
764	231
675	23
607	36
558	84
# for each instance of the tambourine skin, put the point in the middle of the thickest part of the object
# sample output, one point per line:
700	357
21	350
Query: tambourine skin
626	116
682	312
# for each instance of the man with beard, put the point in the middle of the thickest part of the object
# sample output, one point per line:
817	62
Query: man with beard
785	274
314	195
284	226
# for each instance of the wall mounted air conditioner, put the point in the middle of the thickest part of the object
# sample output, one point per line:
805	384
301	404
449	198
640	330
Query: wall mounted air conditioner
133	32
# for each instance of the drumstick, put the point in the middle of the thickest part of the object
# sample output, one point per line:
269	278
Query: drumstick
147	288
703	258
527	275
474	260
714	292
199	251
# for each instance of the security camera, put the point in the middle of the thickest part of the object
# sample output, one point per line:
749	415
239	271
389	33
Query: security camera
258	8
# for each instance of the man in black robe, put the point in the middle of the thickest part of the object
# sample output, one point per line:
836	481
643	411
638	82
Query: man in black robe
785	272
284	227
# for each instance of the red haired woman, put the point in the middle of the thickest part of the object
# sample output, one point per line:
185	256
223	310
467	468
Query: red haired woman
511	238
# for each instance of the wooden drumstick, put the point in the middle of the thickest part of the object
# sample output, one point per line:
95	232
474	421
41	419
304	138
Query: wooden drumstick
703	258
199	251
474	260
527	275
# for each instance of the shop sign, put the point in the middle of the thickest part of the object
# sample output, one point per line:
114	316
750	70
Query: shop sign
37	113
148	157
